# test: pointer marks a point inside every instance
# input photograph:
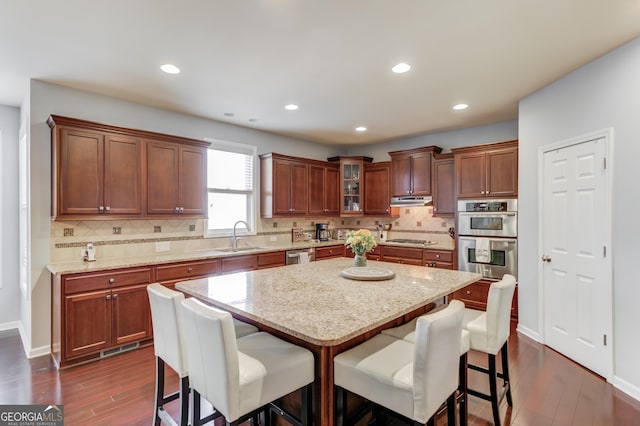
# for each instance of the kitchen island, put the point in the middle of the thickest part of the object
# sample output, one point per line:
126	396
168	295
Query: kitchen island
312	305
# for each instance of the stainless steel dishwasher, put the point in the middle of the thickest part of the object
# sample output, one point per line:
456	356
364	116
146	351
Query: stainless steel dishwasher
300	256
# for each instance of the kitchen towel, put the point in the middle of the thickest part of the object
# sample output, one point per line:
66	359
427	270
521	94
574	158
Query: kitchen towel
303	257
483	250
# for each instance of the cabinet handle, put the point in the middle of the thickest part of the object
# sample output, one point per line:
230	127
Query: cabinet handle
189	270
108	297
438	256
100	209
115	296
177	210
112	280
181	210
468	292
107	209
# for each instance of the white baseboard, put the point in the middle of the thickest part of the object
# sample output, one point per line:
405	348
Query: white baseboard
13	325
626	387
534	335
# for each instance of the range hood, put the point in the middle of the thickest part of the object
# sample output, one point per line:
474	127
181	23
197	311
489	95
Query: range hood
410	201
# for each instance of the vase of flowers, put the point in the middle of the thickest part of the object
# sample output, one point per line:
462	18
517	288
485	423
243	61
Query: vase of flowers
360	242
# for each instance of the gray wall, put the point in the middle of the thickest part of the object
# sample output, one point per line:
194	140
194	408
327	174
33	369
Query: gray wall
479	135
9	266
603	94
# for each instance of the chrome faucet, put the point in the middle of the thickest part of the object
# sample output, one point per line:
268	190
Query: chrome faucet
234	245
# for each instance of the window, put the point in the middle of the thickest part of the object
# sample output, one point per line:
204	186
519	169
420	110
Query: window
231	187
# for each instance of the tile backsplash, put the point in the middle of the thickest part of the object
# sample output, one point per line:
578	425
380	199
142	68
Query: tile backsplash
119	239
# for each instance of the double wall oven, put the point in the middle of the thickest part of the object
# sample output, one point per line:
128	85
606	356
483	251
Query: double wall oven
488	237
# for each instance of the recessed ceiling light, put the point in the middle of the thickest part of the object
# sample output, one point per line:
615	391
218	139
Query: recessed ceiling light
361	129
229	114
170	69
253	120
401	68
291	107
460	106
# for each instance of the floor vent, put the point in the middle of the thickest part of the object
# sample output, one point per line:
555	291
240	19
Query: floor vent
115	351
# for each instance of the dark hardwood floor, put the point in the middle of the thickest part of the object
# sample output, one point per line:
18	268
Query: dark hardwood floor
547	388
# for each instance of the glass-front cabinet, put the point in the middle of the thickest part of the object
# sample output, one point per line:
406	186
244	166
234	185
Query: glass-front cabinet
351	188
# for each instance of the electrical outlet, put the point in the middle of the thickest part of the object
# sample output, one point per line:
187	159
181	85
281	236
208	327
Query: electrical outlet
163	246
273	238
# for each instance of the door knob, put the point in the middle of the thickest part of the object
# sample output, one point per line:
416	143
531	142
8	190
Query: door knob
546	258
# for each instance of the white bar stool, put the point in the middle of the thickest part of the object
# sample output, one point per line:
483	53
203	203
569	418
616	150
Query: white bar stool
242	377
489	333
412	380
170	348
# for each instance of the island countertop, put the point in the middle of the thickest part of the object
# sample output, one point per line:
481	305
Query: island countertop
312	302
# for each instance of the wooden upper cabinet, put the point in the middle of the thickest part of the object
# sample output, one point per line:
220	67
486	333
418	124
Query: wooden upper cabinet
98	172
176	179
411	171
94	173
351	184
377	188
487	170
444	202
323	189
284	186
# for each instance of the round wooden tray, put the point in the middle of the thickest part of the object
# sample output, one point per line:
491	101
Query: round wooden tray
365	273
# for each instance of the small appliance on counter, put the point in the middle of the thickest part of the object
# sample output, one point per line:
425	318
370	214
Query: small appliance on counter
322	232
340	233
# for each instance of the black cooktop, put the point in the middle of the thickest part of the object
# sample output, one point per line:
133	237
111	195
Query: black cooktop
407	241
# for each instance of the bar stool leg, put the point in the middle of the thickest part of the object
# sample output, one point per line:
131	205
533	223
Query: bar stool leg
159	389
463	378
493	389
505	372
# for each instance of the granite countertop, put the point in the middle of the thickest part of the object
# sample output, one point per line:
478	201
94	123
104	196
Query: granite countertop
212	253
315	303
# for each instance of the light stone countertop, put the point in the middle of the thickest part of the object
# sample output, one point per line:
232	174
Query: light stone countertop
171	257
314	303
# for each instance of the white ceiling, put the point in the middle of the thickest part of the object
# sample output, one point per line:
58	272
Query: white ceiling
331	57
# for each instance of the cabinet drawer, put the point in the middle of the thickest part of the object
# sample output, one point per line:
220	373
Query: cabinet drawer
390	252
270	260
239	263
105	280
328	252
438	255
187	270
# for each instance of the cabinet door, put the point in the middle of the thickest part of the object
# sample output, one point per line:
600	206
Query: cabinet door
470	175
131	314
192	181
421	174
400	175
299	188
80	187
317	189
332	190
87	323
502	173
376	189
444	202
162	177
122	175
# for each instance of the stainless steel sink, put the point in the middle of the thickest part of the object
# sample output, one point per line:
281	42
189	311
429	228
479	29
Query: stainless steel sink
242	249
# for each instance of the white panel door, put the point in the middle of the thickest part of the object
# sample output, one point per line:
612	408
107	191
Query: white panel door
576	272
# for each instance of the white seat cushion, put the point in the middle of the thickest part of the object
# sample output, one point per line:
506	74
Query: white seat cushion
408	332
243	329
380	370
270	368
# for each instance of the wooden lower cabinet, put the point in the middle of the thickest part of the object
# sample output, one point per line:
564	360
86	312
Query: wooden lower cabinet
474	296
438	258
93	312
